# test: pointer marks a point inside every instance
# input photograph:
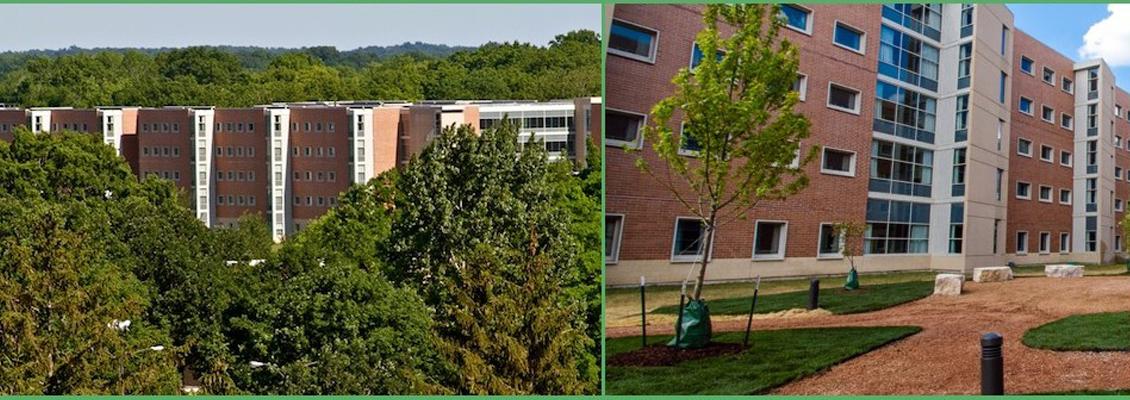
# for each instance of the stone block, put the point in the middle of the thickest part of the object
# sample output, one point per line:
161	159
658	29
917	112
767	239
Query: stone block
1063	271
948	284
992	274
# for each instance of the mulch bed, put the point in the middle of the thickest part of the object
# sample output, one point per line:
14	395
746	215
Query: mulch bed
662	356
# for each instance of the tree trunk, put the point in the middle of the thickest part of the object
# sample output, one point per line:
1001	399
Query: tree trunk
705	260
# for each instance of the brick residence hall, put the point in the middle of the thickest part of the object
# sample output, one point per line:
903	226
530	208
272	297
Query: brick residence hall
960	140
289	162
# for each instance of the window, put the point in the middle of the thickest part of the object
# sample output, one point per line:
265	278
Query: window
1026	65
896	227
906	58
904	113
1046	153
1049	76
922	18
961	119
688	145
797	18
1064	242
800	85
837	162
964	64
1117	173
1045	242
958	188
900	169
849	38
1065	121
769	240
1000	133
632	41
696	56
1064	196
957	227
1024	147
1026	105
1118	141
830	244
1021	242
1118	205
1068	86
1003	87
843	98
690	237
1045	194
1117	111
1004	39
623	128
1047	114
1024	190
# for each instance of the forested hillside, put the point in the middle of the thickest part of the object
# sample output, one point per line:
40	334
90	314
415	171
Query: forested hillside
568	66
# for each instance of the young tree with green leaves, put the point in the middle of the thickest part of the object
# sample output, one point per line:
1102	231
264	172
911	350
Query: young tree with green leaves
738	121
851	245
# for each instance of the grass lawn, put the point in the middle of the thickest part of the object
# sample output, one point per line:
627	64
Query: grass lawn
776	358
1085	332
834	299
622	305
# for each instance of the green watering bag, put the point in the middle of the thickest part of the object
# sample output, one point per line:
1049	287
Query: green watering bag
695	332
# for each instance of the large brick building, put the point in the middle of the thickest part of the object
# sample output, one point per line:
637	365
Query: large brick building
957	138
290	162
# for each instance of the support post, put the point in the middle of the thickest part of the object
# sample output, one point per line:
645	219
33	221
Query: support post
752	306
643	308
679	321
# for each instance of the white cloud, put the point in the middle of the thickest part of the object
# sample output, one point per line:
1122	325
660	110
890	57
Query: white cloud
1109	38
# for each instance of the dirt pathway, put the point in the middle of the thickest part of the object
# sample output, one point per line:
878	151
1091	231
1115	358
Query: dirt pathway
945	357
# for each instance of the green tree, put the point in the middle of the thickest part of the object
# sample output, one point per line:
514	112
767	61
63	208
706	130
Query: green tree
491	240
739	120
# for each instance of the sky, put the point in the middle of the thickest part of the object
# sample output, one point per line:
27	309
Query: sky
346	26
1082	32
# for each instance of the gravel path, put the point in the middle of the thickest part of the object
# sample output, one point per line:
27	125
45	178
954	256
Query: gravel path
945	357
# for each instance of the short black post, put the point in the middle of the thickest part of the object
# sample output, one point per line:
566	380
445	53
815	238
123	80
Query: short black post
992	364
813	294
643	308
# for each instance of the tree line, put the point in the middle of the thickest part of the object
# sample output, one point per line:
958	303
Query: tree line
568	66
469	271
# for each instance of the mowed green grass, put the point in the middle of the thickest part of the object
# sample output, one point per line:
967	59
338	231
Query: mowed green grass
1084	332
775	358
835	299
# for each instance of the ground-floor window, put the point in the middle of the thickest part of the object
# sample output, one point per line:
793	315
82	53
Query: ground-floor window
957	227
690	239
1021	242
1064	242
830	244
769	240
1118	243
1045	242
896	227
613	231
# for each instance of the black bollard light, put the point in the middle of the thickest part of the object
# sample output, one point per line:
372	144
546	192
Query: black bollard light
813	294
992	364
643	308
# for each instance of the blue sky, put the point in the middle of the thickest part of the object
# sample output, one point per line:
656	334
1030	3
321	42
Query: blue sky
347	26
1081	31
